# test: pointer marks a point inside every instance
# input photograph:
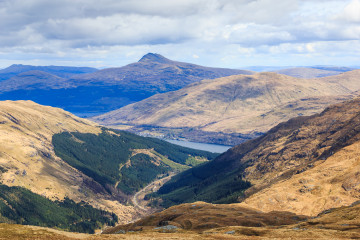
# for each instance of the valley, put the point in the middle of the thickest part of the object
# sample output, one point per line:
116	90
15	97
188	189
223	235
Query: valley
149	119
303	183
138	198
300	175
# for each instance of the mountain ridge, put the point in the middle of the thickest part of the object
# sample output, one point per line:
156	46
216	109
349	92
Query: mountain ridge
263	99
108	89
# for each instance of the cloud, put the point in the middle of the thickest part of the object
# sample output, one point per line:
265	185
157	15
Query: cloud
116	30
351	12
207	28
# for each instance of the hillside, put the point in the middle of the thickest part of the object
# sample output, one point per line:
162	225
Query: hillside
96	92
28	159
305	165
191	216
234	105
34	136
339	223
231	221
21	206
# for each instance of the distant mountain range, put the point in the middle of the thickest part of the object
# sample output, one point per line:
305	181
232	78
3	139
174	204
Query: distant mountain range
232	109
85	91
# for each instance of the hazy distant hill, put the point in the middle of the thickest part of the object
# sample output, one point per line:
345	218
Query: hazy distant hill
331	70
305	165
240	104
60	71
104	90
32	80
308	72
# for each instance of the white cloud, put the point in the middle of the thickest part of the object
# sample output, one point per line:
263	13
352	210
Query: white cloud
351	12
119	31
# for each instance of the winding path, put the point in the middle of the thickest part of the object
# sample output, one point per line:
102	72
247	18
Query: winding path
138	198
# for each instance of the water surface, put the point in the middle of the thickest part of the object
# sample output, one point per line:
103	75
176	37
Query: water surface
215	148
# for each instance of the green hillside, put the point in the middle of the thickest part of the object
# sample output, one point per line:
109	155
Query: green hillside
214	182
21	206
124	160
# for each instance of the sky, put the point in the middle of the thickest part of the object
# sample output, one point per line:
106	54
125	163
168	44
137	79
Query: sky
219	33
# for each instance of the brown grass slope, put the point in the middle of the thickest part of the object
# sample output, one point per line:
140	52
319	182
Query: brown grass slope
199	216
230	221
240	104
27	155
340	223
326	184
305	165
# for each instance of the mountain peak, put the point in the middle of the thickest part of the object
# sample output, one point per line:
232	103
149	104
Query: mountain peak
154	57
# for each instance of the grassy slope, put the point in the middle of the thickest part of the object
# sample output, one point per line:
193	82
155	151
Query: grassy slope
193	223
231	221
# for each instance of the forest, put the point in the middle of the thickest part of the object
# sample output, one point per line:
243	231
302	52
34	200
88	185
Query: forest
109	157
21	206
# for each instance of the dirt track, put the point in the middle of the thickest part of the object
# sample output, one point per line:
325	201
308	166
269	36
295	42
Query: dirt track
138	198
